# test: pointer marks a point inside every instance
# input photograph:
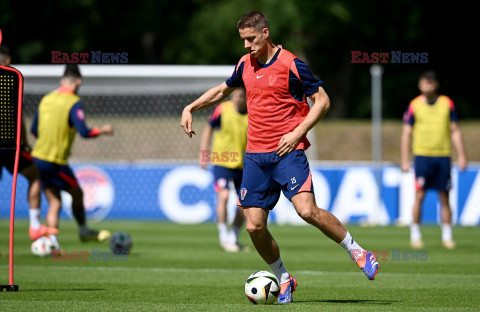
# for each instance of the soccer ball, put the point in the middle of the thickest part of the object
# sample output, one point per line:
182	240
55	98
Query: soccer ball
42	247
121	242
262	287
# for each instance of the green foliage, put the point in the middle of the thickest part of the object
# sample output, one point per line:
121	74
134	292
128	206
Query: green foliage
322	33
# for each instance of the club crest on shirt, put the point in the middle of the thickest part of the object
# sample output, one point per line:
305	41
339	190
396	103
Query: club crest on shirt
272	79
243	192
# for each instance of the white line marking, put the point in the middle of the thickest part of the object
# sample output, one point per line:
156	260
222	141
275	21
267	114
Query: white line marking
198	270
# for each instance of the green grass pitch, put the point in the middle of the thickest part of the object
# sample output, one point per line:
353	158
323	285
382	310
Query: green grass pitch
182	268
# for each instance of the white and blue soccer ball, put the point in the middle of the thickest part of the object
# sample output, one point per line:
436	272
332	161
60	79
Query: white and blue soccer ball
262	287
121	242
42	247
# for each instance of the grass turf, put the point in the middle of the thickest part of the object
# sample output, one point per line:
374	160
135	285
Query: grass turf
182	268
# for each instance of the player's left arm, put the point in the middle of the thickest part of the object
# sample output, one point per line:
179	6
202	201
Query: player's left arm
77	119
321	105
457	141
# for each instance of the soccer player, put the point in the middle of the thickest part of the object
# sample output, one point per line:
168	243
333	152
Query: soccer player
279	117
229	121
59	117
27	168
432	121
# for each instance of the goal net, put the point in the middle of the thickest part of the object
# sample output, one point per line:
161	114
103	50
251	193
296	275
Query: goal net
143	103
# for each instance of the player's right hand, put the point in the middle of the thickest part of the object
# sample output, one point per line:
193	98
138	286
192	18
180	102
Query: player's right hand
187	121
106	129
405	167
462	163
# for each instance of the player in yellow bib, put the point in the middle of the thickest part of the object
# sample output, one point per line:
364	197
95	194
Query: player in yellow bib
432	121
228	124
58	119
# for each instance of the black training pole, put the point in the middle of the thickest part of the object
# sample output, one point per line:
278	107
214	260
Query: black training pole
11	98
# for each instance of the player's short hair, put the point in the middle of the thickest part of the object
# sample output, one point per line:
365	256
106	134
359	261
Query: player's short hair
254	19
72	71
429	75
4	54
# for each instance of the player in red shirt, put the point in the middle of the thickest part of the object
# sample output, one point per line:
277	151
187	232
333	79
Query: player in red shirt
279	117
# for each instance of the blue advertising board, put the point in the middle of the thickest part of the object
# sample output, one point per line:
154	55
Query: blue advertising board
185	194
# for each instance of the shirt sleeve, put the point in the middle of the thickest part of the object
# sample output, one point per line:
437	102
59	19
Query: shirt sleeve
303	82
408	117
215	117
77	120
453	112
236	80
34	127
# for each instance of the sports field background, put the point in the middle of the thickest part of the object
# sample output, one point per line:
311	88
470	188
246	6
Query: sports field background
182	268
161	138
176	267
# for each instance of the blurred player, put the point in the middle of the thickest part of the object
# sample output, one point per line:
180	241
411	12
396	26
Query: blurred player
229	120
27	168
59	117
432	120
279	117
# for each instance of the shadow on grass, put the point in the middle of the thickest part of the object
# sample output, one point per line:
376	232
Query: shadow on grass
356	301
64	289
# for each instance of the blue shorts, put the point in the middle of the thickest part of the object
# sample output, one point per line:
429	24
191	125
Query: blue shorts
222	175
266	174
432	173
57	176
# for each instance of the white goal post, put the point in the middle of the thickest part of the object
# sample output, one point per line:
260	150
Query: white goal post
143	102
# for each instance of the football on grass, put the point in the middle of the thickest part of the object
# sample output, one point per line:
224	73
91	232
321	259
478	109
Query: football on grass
42	247
262	287
121	242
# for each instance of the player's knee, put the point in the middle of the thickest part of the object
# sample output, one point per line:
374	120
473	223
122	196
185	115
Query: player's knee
306	213
253	227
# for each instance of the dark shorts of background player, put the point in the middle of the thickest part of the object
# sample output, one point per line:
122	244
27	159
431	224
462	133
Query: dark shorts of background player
432	173
56	176
222	175
7	160
266	174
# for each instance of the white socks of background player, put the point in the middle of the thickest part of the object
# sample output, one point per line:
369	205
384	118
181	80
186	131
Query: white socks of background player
226	236
234	234
34	214
446	232
415	234
351	246
222	233
279	271
54	240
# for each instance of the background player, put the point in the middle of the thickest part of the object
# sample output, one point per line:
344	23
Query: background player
229	122
279	118
27	168
432	120
59	117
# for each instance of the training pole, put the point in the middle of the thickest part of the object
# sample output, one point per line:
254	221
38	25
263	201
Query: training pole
12	79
